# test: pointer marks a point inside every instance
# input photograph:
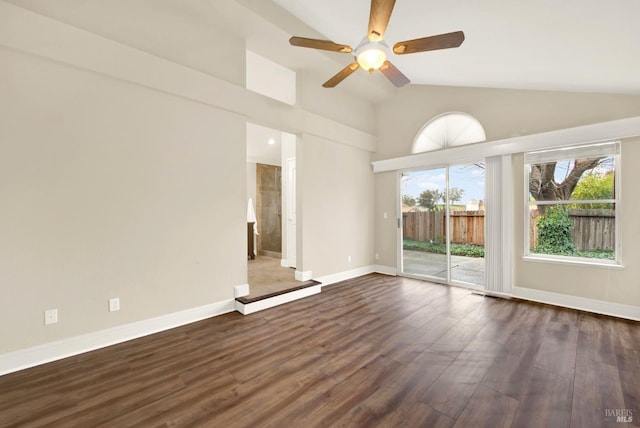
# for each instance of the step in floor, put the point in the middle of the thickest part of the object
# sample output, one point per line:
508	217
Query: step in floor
248	305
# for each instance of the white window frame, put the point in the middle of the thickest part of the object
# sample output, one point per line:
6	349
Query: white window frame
610	148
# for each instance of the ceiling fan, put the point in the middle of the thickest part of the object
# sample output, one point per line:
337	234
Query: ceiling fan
372	52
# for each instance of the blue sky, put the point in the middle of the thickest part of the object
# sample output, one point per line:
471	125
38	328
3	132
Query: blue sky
470	178
467	177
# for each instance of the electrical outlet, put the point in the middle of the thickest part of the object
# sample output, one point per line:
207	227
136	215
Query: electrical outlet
114	304
349	259
377	256
50	316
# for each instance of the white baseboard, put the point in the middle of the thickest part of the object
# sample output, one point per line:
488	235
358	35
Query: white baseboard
385	270
241	290
343	276
303	275
284	263
249	308
581	303
41	354
354	273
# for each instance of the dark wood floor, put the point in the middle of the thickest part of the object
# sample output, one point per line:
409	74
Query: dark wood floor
374	351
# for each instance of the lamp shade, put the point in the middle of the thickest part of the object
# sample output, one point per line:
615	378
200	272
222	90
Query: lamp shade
371	55
371	59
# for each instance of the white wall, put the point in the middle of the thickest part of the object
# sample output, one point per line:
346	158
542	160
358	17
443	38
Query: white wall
287	151
507	113
336	186
271	79
503	113
112	190
386	230
124	175
604	284
194	34
334	103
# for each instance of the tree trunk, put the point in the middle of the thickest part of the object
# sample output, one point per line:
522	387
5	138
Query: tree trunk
543	186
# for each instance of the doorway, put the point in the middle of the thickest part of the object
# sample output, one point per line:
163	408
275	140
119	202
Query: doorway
271	197
442	228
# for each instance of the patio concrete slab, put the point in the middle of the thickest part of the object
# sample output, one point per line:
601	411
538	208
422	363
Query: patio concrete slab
464	269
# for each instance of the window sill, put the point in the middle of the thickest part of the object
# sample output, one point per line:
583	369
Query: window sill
573	261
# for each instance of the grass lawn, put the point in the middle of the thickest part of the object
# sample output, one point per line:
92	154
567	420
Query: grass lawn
470	250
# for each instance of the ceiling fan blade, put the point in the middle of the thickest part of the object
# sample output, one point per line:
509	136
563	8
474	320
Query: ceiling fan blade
379	18
394	75
319	44
342	74
432	43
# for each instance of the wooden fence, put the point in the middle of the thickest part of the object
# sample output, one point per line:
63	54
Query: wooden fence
592	229
467	227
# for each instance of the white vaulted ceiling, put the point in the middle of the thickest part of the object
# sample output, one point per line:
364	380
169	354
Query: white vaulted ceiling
573	45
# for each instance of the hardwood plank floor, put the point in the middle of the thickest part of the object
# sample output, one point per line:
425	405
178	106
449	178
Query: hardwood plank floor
372	351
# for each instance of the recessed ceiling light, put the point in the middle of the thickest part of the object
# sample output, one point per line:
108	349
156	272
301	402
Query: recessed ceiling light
272	141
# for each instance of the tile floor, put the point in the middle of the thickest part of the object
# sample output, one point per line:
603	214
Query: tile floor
267	276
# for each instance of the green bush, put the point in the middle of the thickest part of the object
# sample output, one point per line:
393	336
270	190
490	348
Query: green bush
598	254
426	246
468	250
554	233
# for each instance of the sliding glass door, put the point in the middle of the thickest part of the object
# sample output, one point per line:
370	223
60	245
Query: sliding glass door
443	224
424	251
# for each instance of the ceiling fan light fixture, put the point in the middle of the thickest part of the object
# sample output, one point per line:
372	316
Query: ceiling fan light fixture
371	55
372	52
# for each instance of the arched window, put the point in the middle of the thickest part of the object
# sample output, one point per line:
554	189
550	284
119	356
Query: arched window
448	130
